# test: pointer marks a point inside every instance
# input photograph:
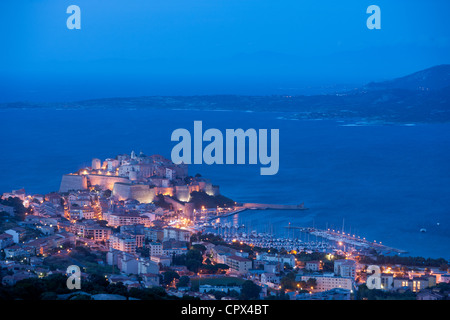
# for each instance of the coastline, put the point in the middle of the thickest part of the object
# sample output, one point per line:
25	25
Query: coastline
373	153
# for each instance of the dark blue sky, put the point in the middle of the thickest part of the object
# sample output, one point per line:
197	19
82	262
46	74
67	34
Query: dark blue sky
182	47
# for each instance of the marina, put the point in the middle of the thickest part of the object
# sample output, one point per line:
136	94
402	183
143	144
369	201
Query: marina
306	239
266	240
342	238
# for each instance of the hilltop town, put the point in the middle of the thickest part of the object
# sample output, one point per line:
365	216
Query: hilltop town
141	227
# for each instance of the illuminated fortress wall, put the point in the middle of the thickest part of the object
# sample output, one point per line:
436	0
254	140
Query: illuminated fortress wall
105	182
140	192
182	193
73	182
123	189
164	191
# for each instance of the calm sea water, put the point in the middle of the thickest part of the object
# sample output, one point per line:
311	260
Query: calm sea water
387	182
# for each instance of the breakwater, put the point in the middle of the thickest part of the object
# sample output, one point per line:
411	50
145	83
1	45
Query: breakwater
262	206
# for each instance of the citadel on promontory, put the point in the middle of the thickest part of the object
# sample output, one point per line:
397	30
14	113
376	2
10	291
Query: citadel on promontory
139	177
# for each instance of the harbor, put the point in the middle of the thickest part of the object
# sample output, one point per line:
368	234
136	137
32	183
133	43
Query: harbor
267	240
295	239
314	239
345	239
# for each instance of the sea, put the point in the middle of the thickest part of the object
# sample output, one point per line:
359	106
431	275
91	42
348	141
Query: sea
383	182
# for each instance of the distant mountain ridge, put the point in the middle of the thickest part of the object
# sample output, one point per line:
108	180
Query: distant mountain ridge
423	96
434	78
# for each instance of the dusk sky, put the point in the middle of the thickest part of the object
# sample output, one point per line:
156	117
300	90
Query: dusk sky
183	47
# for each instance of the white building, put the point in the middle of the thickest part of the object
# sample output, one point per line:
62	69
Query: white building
128	264
147	266
123	242
238	264
270	279
118	219
313	265
177	234
17	234
96	164
163	260
170	173
327	282
150	279
445	278
279	258
155	249
112	164
345	268
387	281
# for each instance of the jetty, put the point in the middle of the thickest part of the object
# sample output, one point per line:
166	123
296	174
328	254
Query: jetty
263	206
257	206
347	239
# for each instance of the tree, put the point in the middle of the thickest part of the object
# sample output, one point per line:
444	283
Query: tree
195	237
250	290
48	295
311	283
57	283
117	288
287	266
18	206
443	267
288	281
222	266
102	223
202	199
193	265
183	282
194	254
179	259
96	283
169	276
145	252
29	289
279	296
199	247
218	294
302	285
154	293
